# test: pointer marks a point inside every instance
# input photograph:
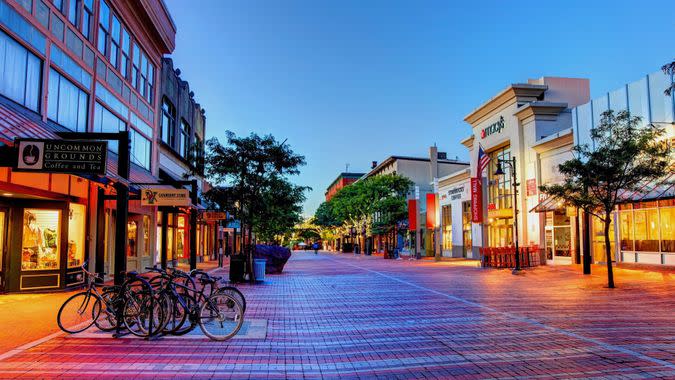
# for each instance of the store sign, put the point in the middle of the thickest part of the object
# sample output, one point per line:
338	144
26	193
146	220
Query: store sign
214	215
476	200
456	193
165	197
412	214
531	187
61	156
495	127
431	211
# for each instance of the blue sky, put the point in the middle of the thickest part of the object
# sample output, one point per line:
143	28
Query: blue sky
357	81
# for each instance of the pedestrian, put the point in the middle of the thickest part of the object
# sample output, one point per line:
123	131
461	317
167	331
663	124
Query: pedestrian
315	247
220	252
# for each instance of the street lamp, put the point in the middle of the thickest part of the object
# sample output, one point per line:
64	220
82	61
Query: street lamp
511	163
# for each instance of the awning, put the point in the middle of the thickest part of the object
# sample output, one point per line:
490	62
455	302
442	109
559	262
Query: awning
551	203
657	189
16	124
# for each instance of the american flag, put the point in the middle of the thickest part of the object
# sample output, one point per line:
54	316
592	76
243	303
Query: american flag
483	161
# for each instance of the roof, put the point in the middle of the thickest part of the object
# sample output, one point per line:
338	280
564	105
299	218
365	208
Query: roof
345	175
391	159
505	96
15	124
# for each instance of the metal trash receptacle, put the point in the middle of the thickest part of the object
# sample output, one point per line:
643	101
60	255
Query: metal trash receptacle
259	269
237	268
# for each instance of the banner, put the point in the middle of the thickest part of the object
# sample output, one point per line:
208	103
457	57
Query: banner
61	156
476	200
412	214
431	211
165	197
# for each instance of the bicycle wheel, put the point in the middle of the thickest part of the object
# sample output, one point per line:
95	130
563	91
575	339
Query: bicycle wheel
220	317
188	323
137	310
235	293
79	311
107	320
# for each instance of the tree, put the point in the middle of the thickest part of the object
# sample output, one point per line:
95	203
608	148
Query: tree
625	157
250	177
669	69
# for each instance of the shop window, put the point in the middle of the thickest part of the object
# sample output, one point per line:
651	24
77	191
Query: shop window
180	238
67	104
446	217
647	230
146	236
499	187
626	230
598	240
668	229
40	248
132	239
20	73
76	233
3	233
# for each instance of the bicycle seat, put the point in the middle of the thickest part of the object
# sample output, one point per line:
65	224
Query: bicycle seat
129	274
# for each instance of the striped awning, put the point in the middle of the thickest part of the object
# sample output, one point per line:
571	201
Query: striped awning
551	203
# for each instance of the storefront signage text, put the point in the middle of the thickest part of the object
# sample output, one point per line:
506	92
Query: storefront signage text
61	156
456	193
214	215
476	200
496	127
165	197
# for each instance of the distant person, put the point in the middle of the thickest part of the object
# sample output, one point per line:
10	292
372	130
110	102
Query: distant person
315	247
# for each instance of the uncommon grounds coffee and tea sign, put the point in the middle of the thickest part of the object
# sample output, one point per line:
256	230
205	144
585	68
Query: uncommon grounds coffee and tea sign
61	156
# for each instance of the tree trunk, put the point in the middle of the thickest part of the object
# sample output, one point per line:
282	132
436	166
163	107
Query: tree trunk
608	253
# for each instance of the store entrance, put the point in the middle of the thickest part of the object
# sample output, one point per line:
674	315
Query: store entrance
500	232
558	237
3	246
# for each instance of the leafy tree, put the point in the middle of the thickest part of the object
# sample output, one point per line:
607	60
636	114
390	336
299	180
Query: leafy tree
624	158
669	69
250	177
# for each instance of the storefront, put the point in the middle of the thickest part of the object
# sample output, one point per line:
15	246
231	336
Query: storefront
455	204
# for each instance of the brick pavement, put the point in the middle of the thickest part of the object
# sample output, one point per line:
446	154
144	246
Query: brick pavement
342	316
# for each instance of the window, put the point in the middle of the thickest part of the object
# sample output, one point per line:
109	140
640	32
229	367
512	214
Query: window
66	103
115	41
140	149
106	121
667	229
168	123
199	156
135	67
60	5
76	232
499	187
20	73
626	229
124	61
87	16
132	237
40	248
143	80
647	230
446	217
151	83
146	236
73	11
184	140
103	28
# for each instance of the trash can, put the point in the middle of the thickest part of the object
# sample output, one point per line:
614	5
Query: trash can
259	269
237	266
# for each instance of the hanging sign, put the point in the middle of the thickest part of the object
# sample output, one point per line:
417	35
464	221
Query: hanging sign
531	187
214	215
165	197
476	200
61	156
412	214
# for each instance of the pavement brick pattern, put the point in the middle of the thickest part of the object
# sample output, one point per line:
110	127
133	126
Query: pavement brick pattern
342	316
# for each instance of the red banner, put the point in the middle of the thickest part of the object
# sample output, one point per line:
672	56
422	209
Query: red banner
531	187
476	200
431	211
412	214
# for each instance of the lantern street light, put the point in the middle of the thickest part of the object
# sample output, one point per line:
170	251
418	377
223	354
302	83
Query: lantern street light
511	164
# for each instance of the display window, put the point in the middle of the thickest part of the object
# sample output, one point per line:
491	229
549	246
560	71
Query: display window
626	229
132	239
40	248
668	229
146	236
598	240
76	234
180	237
647	230
446	212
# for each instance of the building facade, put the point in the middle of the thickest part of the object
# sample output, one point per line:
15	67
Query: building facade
342	180
76	66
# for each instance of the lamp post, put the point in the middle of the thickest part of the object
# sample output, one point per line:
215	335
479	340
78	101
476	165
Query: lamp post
511	163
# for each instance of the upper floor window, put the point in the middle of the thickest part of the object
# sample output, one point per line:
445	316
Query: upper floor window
60	5
20	73
106	121
115	35
73	11
141	149
87	16
126	53
184	140
103	28
168	123
66	103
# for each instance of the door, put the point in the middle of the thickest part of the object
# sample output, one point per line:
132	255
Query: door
3	246
133	263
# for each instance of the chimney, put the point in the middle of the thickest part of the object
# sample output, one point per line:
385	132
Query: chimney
433	162
373	165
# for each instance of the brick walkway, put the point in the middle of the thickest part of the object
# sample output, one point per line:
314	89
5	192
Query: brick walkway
363	317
